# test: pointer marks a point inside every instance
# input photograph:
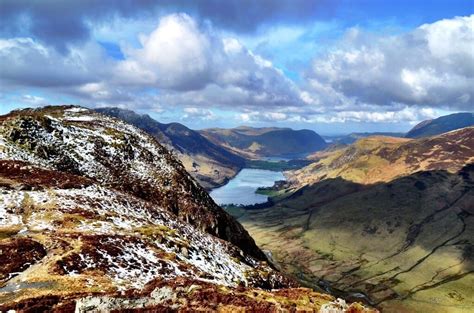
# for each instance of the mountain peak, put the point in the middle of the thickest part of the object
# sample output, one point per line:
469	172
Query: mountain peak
441	125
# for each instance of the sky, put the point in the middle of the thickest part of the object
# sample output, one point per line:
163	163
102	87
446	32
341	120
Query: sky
334	66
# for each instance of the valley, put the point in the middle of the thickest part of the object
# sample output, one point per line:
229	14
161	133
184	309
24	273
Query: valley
386	221
389	220
96	214
236	156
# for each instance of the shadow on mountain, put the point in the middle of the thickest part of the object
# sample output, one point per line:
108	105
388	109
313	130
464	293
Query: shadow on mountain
387	240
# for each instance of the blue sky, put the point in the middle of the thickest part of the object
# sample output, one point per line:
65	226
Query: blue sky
331	66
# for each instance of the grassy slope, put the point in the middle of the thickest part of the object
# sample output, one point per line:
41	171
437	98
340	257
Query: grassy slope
381	159
369	238
405	239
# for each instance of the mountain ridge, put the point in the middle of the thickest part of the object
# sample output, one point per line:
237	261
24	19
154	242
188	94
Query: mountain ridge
441	125
207	162
380	158
255	143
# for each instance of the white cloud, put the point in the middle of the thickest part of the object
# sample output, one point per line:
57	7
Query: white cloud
256	116
175	55
432	65
26	62
204	67
191	68
202	114
34	100
186	64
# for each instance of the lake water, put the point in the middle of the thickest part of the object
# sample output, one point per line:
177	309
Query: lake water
241	189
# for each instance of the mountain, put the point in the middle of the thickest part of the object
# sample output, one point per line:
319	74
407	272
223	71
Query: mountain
207	162
381	159
96	215
353	137
255	143
441	125
387	220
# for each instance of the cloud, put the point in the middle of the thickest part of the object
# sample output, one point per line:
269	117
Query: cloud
189	67
29	63
62	23
176	55
187	64
34	100
202	114
432	65
205	68
405	115
255	116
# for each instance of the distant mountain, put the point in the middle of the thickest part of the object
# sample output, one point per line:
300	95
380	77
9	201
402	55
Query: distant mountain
209	163
353	137
96	215
254	143
441	125
379	158
390	219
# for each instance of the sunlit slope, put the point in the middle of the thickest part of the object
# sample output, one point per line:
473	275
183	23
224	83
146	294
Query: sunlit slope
381	159
406	241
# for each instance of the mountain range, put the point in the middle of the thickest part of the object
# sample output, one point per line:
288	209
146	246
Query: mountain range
386	219
256	143
97	215
107	210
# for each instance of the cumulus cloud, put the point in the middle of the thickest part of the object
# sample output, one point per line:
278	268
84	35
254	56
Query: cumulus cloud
200	113
61	23
432	65
189	65
206	68
175	55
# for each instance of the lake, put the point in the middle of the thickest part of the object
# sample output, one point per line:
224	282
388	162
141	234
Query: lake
241	189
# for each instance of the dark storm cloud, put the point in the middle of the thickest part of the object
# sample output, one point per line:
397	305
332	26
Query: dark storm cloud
60	22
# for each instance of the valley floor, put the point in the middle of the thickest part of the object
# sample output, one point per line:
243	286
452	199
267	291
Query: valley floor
369	240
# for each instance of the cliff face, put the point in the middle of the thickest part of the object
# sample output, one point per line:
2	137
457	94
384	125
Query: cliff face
97	215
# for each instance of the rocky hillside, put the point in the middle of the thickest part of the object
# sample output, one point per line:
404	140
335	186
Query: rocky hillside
97	215
441	125
381	159
400	240
210	164
255	143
